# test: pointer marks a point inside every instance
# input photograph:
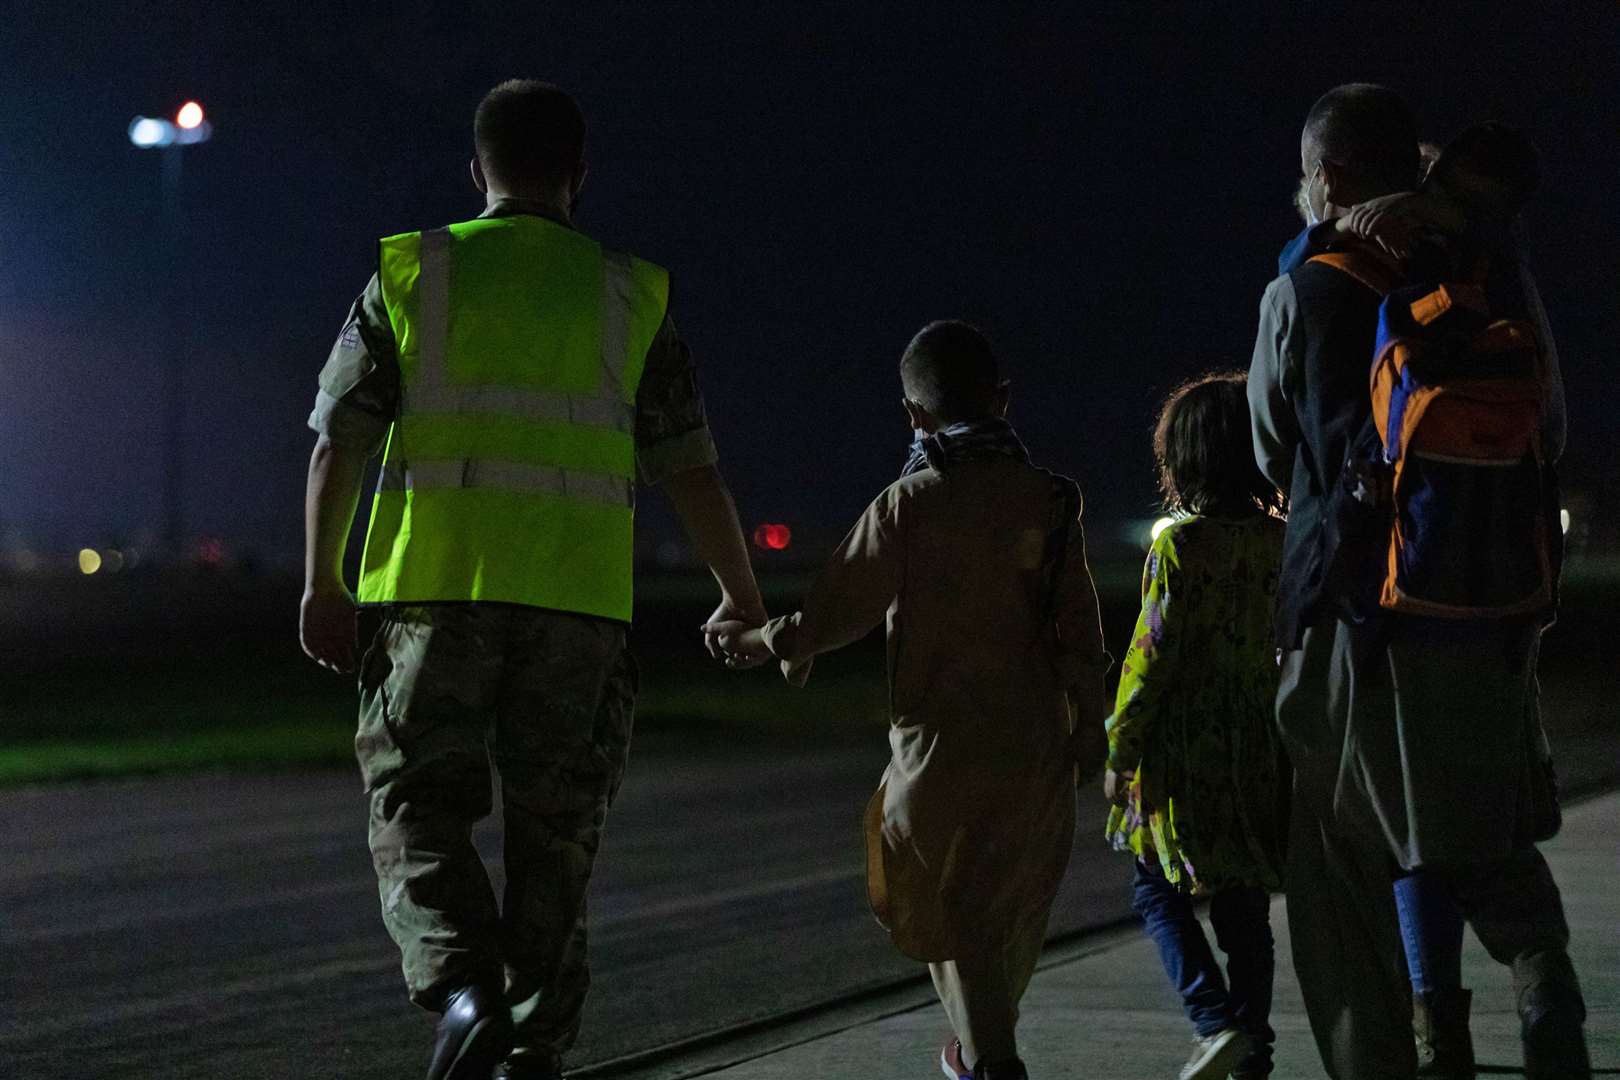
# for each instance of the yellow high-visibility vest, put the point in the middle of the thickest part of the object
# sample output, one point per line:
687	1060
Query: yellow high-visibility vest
510	470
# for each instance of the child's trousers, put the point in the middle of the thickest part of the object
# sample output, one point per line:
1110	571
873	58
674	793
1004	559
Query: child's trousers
1241	918
981	991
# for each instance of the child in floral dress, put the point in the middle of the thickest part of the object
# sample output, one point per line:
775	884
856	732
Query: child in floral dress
1196	770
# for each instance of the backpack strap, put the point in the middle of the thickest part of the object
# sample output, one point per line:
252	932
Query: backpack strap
1369	269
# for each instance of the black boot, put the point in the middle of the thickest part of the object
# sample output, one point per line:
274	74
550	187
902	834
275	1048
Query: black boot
1445	1048
474	1033
1551	1013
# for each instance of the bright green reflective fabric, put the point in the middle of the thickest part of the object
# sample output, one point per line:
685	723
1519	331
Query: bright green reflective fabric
539	327
524	305
511	438
542	550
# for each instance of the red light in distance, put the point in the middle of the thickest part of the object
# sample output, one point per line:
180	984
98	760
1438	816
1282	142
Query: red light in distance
773	537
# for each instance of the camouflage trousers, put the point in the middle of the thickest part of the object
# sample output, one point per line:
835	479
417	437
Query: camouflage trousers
548	695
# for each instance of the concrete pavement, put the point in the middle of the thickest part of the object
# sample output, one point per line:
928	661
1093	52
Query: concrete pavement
730	894
1101	1008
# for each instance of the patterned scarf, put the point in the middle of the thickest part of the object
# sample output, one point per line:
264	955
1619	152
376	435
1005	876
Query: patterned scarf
968	441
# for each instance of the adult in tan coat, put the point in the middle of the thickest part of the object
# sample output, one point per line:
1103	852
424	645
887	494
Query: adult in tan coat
976	560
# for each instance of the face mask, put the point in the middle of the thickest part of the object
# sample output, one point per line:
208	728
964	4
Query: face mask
1312	218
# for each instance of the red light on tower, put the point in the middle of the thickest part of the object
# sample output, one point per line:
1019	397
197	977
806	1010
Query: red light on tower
773	537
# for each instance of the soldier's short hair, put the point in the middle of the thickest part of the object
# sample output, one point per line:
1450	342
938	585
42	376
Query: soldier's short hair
1368	128
951	370
528	130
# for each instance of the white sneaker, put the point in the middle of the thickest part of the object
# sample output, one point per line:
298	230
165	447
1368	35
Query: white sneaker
1214	1055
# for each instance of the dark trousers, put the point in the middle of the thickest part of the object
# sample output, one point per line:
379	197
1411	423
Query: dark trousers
443	689
1241	918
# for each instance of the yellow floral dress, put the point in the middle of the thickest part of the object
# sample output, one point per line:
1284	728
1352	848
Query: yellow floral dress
1193	716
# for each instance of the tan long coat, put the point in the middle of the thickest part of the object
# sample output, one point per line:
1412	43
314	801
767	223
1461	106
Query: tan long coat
969	833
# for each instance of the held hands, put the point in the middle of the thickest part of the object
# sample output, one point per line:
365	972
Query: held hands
742	645
725	632
326	627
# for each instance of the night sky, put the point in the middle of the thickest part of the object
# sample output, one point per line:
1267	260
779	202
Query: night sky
1104	193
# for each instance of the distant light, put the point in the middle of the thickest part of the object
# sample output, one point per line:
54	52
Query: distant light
189	116
112	561
773	537
192	136
211	551
1160	525
146	132
1563	521
89	561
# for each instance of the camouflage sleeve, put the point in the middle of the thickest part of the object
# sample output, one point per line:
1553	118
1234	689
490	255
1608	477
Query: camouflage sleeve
359	386
672	429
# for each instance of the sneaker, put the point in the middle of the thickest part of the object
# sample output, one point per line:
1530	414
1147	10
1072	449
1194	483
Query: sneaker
1214	1055
951	1063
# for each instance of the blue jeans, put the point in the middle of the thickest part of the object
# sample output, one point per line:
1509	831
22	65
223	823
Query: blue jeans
1242	921
1431	931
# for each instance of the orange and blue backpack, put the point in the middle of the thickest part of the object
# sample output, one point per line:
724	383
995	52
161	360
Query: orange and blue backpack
1447	507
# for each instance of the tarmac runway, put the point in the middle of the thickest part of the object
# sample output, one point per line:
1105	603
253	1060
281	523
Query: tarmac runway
227	926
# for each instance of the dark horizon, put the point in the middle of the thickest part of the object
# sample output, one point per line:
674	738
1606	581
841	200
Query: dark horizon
1105	194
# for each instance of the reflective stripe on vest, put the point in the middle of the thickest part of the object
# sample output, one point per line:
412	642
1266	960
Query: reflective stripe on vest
506	476
492	489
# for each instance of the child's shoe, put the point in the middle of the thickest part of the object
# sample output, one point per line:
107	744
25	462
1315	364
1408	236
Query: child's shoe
1214	1055
951	1063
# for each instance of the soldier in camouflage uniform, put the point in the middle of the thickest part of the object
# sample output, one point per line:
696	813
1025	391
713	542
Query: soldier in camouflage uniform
443	686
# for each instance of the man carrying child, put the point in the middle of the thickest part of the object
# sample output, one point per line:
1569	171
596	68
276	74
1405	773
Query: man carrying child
1407	733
